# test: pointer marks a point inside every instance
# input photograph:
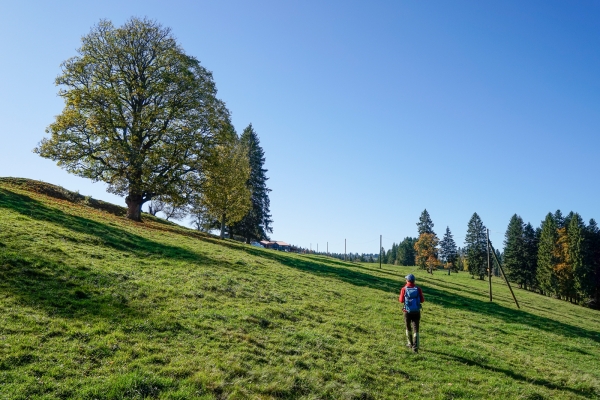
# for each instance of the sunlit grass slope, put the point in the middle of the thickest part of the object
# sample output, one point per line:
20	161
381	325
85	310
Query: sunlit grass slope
93	306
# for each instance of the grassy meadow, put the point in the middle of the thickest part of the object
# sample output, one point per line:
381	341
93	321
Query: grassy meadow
93	306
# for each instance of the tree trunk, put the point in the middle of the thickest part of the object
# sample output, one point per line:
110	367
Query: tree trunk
247	239
230	232
223	227
134	207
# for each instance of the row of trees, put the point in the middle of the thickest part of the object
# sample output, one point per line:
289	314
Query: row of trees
142	116
428	252
560	258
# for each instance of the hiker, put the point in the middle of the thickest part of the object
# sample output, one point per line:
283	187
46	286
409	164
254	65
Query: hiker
412	297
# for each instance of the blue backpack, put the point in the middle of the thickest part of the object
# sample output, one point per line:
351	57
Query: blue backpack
412	300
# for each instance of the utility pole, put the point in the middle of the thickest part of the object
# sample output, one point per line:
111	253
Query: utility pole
317	248
489	263
328	248
344	249
380	241
503	274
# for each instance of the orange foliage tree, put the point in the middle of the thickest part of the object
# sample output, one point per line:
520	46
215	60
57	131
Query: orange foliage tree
426	249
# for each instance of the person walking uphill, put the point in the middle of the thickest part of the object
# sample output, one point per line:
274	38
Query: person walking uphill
412	297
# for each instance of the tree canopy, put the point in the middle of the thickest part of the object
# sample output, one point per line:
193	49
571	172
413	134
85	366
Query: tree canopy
425	224
256	224
139	114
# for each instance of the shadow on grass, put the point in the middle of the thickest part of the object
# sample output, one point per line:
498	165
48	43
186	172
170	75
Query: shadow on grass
60	289
433	295
589	392
41	280
107	235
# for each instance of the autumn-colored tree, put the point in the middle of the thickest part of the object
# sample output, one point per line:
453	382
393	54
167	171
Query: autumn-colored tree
426	249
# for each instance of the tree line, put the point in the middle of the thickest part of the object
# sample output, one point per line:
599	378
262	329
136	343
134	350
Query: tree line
142	116
561	258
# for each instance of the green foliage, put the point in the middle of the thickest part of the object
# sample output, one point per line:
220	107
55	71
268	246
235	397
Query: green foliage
256	224
406	252
225	194
579	251
425	224
139	114
546	275
514	251
476	247
530	245
448	251
94	306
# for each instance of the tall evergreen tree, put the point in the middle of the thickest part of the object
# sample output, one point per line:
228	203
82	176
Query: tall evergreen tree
559	220
578	256
256	224
425	224
547	260
448	251
530	244
406	252
514	251
593	237
476	247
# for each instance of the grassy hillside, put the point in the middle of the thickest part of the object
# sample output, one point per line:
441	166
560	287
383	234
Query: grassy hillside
93	306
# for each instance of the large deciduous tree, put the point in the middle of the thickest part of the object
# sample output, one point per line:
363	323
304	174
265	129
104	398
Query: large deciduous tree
256	224
139	114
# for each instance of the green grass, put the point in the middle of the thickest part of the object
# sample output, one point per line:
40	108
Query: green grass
93	306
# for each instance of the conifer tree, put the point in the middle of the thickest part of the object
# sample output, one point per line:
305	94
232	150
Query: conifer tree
559	220
547	260
256	224
514	251
530	244
406	252
476	247
425	224
579	258
593	238
448	251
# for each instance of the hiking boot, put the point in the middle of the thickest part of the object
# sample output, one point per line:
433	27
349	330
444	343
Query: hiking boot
409	337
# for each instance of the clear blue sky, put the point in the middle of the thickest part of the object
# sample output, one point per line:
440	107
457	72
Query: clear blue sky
368	112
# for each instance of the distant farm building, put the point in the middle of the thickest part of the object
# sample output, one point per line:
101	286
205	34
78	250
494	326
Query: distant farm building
276	245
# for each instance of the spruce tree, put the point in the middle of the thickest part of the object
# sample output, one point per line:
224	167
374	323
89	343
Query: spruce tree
406	252
530	244
448	251
256	224
514	251
476	247
547	260
559	220
578	257
425	224
593	238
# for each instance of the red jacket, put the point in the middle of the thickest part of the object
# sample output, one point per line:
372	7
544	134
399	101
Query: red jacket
409	284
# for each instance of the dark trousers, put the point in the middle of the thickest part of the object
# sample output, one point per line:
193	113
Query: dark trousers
412	321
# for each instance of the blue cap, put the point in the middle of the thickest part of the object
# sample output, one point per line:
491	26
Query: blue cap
410	278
